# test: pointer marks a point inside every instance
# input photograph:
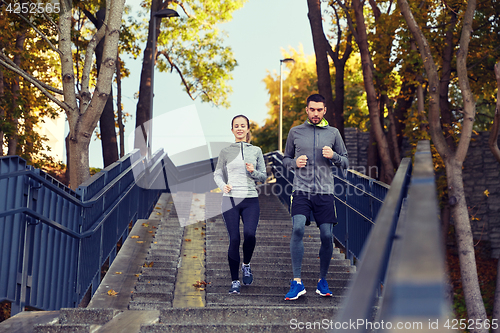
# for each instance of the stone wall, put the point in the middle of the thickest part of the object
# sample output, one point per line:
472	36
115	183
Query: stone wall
482	173
356	143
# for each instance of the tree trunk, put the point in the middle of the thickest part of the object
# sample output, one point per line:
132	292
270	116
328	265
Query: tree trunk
378	131
322	64
107	121
454	160
444	104
2	110
121	129
144	108
493	143
15	113
83	118
373	163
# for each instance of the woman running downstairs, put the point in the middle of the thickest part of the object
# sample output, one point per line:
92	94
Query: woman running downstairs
239	166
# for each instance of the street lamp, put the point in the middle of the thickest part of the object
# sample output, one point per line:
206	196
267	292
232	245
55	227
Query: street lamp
280	139
166	12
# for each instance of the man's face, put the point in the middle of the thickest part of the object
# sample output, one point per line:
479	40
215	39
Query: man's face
315	112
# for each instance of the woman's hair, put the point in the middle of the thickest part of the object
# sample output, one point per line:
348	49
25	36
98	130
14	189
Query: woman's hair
249	135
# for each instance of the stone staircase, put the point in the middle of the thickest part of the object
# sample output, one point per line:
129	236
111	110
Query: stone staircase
259	308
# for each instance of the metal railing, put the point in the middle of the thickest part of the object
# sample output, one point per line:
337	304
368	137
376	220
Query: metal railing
405	251
54	241
358	199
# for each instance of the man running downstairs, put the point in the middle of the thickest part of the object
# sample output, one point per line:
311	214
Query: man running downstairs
311	150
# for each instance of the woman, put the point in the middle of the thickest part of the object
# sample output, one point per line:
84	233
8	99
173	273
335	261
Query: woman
239	166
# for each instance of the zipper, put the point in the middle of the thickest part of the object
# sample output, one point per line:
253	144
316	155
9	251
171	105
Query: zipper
314	159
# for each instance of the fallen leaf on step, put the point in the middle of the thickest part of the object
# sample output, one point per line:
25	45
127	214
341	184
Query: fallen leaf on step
195	228
135	236
140	242
111	292
118	272
202	206
138	274
168	210
150	231
187	240
145	225
195	257
157	207
148	265
155	242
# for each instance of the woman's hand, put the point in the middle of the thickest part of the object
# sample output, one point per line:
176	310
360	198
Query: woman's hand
227	188
250	167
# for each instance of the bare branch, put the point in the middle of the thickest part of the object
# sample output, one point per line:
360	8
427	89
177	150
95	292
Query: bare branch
180	4
349	19
13	67
89	59
186	84
493	141
41	86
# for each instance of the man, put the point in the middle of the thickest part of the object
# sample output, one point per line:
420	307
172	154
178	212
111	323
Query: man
311	149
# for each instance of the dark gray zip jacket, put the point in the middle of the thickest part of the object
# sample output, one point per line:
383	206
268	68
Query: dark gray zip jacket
309	139
231	169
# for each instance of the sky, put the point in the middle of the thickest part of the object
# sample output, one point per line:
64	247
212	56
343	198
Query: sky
258	35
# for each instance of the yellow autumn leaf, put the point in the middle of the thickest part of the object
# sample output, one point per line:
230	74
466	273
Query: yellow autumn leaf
140	242
111	292
145	225
118	273
157	207
486	193
135	236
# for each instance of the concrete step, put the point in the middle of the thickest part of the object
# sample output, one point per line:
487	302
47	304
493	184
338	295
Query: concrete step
255	289
309	299
307	272
340	280
219	328
251	315
264	257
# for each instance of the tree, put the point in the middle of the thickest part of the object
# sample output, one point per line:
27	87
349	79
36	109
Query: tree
22	108
454	159
493	143
84	107
191	45
298	84
339	56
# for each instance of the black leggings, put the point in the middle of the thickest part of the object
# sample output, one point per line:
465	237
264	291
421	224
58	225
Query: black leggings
249	211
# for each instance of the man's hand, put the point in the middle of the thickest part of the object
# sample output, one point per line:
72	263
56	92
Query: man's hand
227	188
327	152
301	161
250	167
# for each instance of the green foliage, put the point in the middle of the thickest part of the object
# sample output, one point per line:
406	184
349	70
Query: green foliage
27	109
193	44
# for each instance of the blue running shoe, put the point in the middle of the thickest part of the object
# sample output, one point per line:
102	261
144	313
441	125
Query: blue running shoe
235	287
296	290
247	274
323	288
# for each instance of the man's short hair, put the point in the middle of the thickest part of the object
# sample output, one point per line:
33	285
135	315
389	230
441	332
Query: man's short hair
315	98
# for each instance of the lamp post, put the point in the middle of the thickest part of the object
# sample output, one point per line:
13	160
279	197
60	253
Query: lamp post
280	136
159	14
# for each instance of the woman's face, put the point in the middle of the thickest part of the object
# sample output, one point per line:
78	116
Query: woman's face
240	129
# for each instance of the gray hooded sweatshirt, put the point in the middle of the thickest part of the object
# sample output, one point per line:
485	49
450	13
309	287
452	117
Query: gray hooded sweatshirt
231	169
309	139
